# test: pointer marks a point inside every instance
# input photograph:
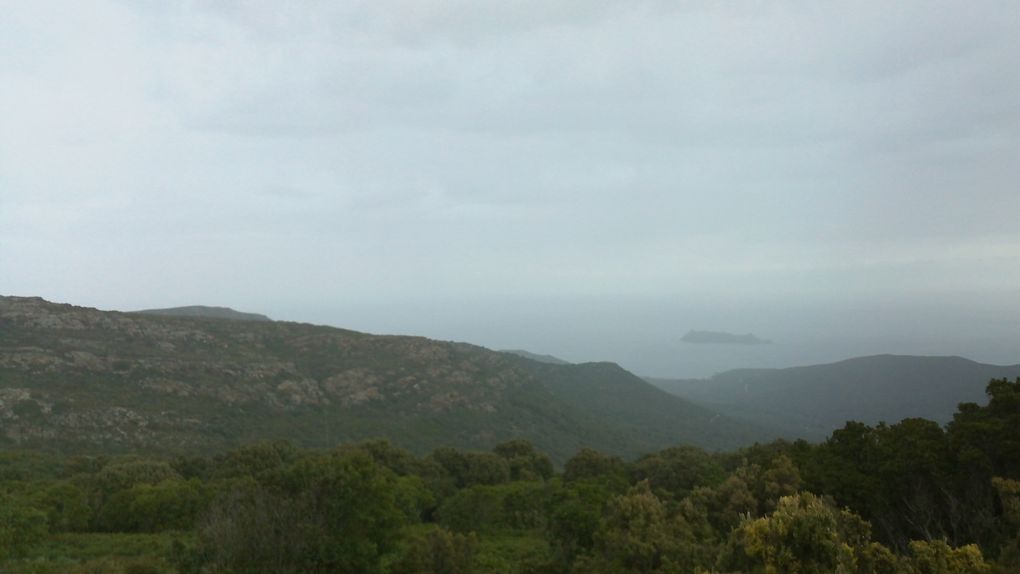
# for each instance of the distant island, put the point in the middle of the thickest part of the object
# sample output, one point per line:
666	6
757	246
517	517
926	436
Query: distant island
722	338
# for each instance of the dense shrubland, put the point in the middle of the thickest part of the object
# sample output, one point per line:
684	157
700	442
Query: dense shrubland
910	497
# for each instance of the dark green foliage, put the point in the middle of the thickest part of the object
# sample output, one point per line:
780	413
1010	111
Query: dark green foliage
524	461
120	476
465	469
252	460
592	464
986	438
323	513
251	529
515	553
635	535
168	505
109	490
65	505
518	505
574	511
386	454
675	472
914	480
24	465
723	507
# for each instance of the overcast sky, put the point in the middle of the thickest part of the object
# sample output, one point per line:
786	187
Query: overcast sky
585	178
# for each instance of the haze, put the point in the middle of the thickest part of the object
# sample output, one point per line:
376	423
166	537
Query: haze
585	179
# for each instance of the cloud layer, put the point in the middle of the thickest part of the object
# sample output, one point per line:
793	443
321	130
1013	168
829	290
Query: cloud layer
386	165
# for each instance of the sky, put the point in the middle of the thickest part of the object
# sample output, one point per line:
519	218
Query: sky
584	178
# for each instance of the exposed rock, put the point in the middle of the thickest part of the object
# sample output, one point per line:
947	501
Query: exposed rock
302	392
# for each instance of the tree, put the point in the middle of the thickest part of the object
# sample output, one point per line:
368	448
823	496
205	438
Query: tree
1009	495
987	435
677	471
65	504
437	551
635	535
255	459
171	505
937	557
524	461
727	505
518	505
845	467
590	464
914	482
471	468
324	513
575	510
780	479
110	486
805	535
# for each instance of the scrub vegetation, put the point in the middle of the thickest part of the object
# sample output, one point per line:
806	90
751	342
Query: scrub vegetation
912	497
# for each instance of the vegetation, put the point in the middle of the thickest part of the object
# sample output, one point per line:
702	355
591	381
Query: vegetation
909	498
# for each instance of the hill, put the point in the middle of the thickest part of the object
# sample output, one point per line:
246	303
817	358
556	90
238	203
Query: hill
639	411
811	401
80	379
203	311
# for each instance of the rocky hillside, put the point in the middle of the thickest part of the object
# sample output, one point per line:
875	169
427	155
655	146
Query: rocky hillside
80	379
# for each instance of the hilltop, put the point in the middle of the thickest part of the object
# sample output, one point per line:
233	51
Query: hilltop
206	312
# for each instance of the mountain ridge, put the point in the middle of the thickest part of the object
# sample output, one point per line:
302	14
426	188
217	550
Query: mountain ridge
810	401
77	378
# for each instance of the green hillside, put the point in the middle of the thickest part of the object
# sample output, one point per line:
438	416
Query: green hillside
812	401
80	379
638	411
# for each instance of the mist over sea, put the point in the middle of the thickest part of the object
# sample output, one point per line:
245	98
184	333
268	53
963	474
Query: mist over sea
644	335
